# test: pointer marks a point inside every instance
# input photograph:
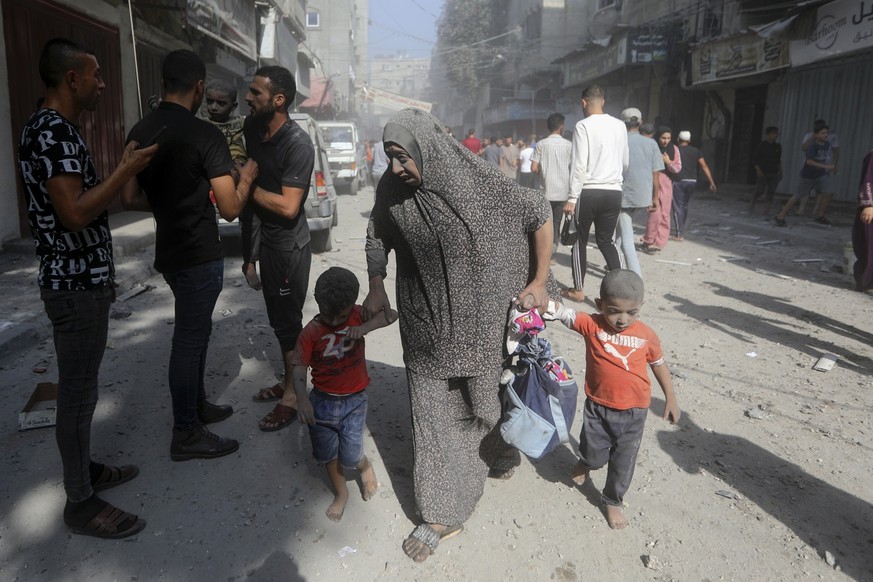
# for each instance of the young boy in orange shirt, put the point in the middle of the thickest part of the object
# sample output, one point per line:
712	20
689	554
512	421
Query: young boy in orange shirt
617	348
332	346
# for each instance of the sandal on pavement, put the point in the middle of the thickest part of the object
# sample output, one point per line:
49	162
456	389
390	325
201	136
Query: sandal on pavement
502	474
112	476
270	394
281	416
111	523
424	540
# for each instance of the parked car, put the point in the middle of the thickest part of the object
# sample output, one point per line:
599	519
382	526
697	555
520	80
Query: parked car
320	206
344	153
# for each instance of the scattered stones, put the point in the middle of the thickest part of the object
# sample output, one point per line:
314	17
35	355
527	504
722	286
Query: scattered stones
653	563
728	494
829	558
755	413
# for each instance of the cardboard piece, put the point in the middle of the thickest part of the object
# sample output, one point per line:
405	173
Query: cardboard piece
41	409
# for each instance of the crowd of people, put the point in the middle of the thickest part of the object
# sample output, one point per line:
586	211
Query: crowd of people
471	241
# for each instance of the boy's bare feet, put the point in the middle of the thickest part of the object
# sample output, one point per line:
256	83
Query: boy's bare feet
369	483
335	510
251	274
579	473
614	516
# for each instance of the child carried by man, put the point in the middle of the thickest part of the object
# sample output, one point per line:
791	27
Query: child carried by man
617	348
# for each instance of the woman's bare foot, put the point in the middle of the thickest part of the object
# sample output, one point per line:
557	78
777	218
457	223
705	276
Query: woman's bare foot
369	483
579	473
251	273
614	516
335	510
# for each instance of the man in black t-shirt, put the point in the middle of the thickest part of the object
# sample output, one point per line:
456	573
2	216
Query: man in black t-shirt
768	169
193	157
686	181
285	157
66	207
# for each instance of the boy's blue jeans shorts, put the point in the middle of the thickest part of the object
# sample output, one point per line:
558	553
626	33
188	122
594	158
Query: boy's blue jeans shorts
338	432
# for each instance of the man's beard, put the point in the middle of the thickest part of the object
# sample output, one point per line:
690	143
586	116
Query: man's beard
264	115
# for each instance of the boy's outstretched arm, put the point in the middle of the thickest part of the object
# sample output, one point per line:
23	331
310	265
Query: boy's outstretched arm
304	406
671	407
383	318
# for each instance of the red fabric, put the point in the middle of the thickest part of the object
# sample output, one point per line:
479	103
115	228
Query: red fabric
337	363
609	380
472	144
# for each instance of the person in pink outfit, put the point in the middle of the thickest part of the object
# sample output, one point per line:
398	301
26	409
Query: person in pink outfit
658	225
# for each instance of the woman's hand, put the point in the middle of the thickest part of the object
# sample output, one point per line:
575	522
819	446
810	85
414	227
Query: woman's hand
867	215
377	299
534	295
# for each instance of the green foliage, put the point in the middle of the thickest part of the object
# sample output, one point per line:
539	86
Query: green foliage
463	23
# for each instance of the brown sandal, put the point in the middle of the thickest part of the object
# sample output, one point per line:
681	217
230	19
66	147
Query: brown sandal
281	416
274	392
111	523
112	476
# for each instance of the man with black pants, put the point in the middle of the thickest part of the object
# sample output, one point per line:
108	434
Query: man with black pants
600	157
193	157
285	157
66	207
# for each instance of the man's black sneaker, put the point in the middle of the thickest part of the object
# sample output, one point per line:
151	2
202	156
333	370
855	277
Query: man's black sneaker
199	443
207	412
823	220
779	221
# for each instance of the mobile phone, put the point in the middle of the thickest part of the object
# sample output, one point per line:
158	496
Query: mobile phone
152	139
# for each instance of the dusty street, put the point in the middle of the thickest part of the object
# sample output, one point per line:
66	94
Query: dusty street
766	477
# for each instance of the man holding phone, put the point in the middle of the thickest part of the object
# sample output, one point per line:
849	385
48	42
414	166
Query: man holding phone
188	251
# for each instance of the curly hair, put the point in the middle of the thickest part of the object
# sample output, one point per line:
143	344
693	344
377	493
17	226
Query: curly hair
336	289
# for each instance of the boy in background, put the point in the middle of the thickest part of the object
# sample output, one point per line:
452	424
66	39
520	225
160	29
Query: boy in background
332	346
617	348
815	177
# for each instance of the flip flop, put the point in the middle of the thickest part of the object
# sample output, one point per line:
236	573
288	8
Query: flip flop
271	394
281	415
424	539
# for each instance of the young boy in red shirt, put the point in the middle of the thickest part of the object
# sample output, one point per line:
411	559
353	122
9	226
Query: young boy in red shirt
332	346
617	348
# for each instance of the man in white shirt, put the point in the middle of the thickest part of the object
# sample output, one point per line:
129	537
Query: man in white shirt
600	157
551	160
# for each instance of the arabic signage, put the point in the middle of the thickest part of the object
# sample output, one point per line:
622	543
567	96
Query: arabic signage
842	26
740	56
595	62
230	22
390	100
647	48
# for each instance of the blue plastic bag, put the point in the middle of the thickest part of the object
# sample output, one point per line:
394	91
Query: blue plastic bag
540	400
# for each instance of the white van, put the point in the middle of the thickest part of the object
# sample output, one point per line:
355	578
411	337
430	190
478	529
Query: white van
344	153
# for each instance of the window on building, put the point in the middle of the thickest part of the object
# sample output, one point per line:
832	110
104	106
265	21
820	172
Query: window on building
607	3
313	20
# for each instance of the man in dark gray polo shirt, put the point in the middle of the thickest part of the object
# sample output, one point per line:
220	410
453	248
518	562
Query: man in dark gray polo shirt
285	157
193	158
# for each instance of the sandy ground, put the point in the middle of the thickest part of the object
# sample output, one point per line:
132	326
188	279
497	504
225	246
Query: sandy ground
766	477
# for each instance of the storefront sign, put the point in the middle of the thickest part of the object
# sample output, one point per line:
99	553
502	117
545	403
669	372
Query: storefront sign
843	26
231	22
596	62
739	56
390	100
647	48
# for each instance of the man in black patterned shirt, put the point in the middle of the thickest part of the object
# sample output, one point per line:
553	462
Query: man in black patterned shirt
66	207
